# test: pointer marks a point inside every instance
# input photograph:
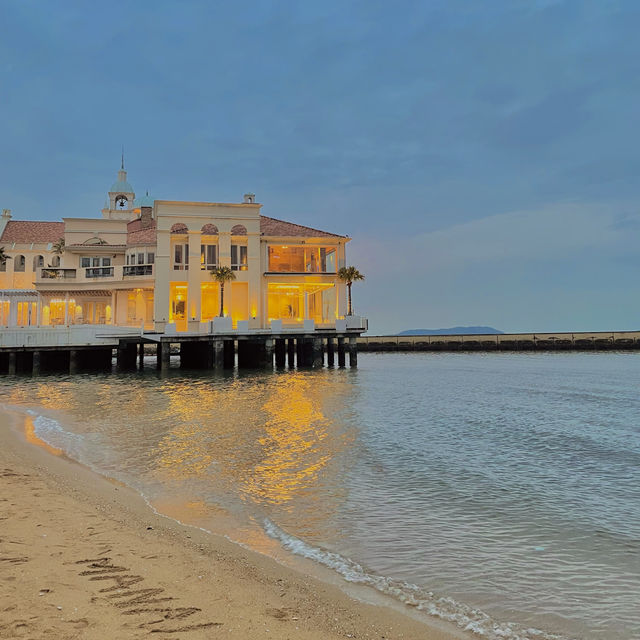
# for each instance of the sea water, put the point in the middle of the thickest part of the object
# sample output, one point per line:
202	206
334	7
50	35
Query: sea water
500	492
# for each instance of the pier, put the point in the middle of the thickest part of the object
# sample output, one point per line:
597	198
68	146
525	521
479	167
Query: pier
89	348
565	341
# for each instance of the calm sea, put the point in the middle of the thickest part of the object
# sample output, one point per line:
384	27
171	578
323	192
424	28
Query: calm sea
500	492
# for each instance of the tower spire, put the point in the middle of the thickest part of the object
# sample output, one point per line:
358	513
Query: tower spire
122	163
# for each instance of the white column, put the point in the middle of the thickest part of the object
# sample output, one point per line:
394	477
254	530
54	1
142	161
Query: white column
13	313
224	247
194	277
162	280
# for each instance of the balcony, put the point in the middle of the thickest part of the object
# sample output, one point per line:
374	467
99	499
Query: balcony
98	272
137	270
50	273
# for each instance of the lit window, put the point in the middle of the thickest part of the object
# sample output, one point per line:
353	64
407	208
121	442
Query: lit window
238	257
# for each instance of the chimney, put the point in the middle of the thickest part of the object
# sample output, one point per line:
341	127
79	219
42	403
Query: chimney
146	217
249	198
6	216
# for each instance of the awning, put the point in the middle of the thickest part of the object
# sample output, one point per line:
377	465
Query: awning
89	293
18	293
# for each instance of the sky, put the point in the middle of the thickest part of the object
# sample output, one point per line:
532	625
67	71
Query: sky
483	156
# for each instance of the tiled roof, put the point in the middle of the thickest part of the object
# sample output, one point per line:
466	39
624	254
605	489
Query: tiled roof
137	234
27	231
95	246
274	227
144	236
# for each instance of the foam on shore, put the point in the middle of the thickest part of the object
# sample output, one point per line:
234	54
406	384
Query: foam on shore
463	616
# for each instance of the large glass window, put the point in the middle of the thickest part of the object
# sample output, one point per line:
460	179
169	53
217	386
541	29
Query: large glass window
181	257
238	257
302	259
208	256
292	303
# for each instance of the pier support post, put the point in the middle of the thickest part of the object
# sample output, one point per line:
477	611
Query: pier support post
353	351
210	354
318	353
127	352
229	354
330	352
165	355
307	350
218	354
291	353
268	354
35	368
73	361
299	352
158	355
13	363
281	352
141	355
341	358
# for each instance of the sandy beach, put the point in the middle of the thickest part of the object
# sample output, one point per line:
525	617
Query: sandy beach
84	557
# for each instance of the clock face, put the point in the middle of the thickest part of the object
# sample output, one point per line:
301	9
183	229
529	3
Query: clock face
121	202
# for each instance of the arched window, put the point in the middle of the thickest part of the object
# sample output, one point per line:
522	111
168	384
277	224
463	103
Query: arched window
38	261
239	230
55	261
20	263
179	227
209	230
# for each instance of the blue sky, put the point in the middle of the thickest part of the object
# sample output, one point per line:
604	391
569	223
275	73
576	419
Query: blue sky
483	155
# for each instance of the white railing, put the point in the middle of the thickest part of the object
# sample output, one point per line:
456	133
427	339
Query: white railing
64	336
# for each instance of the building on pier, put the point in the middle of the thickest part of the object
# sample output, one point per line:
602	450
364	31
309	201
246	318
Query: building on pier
148	263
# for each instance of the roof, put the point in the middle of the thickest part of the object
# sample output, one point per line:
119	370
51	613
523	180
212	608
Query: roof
144	201
138	234
275	227
28	231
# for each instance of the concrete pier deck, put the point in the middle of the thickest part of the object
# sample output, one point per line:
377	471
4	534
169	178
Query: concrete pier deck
86	347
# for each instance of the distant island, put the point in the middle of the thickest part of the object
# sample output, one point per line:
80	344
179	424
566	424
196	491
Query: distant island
451	331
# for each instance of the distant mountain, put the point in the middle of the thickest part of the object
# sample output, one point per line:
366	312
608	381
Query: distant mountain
456	331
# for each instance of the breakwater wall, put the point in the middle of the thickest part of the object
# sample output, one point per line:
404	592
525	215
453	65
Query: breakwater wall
584	341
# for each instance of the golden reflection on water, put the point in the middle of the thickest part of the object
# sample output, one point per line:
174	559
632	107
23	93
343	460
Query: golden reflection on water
292	443
271	441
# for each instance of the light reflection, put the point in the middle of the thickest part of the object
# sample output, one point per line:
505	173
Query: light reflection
293	447
31	437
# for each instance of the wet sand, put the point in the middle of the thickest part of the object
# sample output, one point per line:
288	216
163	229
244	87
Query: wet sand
84	557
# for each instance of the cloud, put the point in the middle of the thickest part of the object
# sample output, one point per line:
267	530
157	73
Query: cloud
550	233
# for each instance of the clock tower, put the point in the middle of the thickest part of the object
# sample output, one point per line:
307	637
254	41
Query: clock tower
121	197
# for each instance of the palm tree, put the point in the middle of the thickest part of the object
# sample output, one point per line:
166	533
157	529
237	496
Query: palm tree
58	247
222	275
3	256
349	275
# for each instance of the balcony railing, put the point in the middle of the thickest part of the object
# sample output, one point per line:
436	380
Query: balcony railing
137	270
50	273
99	272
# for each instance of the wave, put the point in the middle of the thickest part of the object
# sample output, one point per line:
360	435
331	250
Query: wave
463	616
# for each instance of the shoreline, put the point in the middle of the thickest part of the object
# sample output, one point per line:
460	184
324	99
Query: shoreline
85	556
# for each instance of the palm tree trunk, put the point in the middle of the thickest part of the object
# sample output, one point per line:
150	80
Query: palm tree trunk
349	313
221	299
